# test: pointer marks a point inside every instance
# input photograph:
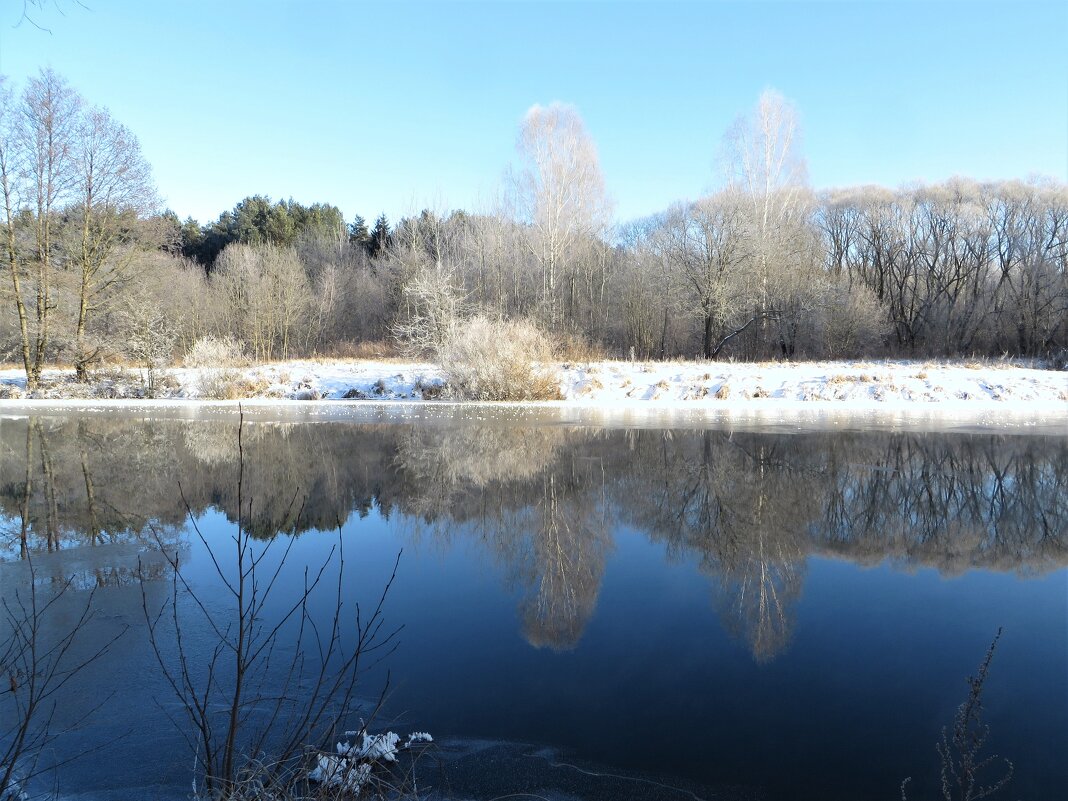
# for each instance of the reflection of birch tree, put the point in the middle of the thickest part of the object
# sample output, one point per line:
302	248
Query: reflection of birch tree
569	550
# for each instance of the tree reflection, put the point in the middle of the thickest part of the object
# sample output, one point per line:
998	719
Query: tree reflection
566	550
543	501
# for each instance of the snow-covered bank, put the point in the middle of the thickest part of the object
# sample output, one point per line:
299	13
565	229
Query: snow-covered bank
898	387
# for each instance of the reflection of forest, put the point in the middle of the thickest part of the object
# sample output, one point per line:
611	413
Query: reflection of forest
544	500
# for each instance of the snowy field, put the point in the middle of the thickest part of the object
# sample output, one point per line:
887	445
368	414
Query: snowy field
998	386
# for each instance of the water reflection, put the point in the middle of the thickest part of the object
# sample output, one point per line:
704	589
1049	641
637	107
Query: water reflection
545	501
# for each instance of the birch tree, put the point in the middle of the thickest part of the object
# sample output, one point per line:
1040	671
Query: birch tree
12	166
559	196
764	167
45	131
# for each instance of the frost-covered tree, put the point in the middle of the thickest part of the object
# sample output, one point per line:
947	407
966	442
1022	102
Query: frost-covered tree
559	197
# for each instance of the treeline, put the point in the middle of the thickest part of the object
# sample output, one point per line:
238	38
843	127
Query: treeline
762	268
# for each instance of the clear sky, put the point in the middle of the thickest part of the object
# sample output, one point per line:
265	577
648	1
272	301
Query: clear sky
395	106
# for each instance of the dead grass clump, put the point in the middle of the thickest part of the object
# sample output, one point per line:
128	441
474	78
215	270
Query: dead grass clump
841	378
723	392
429	390
229	384
591	386
504	360
662	384
760	392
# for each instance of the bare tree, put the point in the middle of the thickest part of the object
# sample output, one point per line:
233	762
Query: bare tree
35	171
249	717
764	167
559	195
114	189
12	173
704	243
267	296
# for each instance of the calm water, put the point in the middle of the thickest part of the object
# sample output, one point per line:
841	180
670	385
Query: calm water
767	613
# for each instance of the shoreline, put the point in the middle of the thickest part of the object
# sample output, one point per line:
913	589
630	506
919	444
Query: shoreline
989	394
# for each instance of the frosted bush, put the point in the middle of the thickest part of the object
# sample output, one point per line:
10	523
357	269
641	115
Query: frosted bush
508	360
216	352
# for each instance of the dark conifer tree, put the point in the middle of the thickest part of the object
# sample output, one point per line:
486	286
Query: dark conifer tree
380	236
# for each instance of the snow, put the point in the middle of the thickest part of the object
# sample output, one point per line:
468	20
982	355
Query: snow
902	387
351	767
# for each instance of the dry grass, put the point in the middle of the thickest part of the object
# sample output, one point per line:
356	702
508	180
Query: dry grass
365	350
509	360
591	386
430	390
723	392
576	348
853	378
230	384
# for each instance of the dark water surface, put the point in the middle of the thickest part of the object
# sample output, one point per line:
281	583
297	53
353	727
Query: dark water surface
765	613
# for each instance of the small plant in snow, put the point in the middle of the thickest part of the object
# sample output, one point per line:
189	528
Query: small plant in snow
353	765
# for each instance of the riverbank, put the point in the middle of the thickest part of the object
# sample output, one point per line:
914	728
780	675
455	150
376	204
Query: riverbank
991	386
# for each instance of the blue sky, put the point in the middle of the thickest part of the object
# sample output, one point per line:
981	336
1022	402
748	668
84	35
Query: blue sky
395	106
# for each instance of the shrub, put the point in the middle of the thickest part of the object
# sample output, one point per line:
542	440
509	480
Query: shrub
852	323
229	384
577	348
509	360
216	352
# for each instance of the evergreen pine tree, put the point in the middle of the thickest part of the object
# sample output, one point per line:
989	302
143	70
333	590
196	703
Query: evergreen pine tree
380	236
358	234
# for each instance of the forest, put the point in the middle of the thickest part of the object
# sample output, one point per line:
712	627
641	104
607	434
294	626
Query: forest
763	267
